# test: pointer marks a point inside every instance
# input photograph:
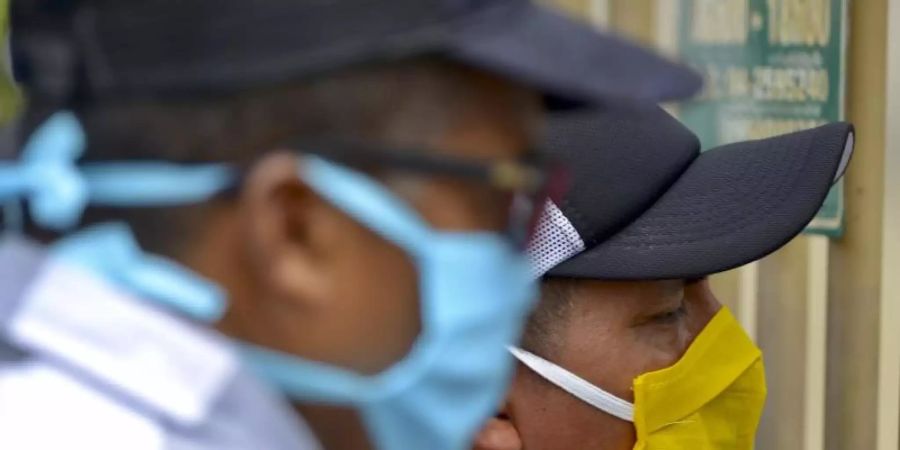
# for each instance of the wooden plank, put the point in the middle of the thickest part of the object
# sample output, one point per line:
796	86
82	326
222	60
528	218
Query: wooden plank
855	260
888	420
816	342
748	298
599	13
782	321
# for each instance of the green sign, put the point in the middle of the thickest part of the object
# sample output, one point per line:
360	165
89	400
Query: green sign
10	99
771	67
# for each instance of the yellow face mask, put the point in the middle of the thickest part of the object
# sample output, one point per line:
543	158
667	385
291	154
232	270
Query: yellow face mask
711	399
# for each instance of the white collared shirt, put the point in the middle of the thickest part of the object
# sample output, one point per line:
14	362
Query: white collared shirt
105	370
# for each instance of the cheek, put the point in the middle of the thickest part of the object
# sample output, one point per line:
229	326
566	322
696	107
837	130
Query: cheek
605	353
548	418
615	364
376	286
657	349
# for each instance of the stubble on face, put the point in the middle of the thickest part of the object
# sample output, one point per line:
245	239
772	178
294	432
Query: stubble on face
614	332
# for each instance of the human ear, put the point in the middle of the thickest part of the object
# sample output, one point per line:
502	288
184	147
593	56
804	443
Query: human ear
499	433
286	231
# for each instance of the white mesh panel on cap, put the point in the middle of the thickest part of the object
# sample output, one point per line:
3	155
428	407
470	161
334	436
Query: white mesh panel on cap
845	157
555	240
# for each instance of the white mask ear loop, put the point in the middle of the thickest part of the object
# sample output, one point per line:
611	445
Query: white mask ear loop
575	385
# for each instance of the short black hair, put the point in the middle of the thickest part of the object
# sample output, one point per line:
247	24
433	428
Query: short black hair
360	102
238	127
544	330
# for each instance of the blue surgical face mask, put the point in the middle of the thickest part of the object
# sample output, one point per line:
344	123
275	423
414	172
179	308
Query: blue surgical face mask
475	293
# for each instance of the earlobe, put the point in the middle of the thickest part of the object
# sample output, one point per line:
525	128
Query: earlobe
280	234
498	433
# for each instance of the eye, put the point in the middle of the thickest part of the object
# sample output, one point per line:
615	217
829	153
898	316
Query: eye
671	316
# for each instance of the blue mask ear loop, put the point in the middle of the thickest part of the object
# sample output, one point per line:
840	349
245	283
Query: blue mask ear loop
378	209
156	184
111	250
46	174
361	198
57	192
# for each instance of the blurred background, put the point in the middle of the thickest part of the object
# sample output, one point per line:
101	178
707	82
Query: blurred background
9	97
826	308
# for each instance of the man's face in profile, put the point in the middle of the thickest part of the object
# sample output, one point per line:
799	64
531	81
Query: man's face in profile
319	284
608	333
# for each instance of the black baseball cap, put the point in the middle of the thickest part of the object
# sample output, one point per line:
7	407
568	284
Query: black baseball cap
644	203
186	47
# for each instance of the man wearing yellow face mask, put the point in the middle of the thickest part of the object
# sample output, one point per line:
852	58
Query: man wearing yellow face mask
629	348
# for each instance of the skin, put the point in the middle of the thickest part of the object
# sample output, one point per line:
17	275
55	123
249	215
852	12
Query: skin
306	279
614	332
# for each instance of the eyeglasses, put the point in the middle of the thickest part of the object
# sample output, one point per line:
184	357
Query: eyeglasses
529	181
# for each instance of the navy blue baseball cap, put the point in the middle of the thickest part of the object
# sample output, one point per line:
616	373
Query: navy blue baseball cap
644	203
185	47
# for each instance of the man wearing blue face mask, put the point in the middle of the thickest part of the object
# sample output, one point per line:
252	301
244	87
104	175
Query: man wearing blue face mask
338	187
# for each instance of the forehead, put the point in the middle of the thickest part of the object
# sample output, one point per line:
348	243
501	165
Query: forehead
624	295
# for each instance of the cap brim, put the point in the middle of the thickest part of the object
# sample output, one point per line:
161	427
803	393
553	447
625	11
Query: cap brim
733	205
570	60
